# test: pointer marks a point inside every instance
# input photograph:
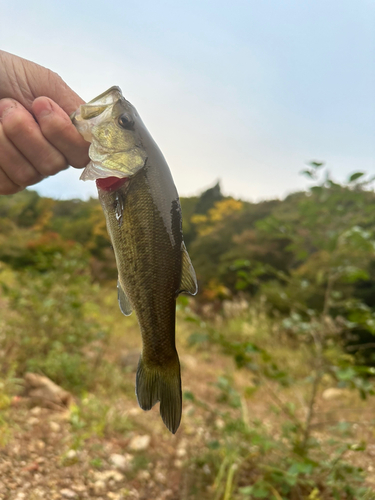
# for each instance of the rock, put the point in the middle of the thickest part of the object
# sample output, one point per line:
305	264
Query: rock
80	488
219	423
99	487
118	477
140	443
134	411
55	427
181	448
67	493
43	392
206	469
160	477
166	494
107	475
71	454
334	393
33	421
121	462
114	496
36	410
40	444
143	475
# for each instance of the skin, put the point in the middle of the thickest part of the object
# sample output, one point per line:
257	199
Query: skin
37	138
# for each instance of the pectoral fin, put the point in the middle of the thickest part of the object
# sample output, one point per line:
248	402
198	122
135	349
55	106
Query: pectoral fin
188	278
123	301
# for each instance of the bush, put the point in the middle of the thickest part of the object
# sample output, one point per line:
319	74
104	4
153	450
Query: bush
50	324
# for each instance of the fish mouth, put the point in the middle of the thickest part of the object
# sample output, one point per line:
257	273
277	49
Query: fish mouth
112	183
94	171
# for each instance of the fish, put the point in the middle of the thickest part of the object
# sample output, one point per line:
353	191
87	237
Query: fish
144	222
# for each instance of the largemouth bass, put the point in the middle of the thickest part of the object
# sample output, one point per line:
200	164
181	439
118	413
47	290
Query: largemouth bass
143	216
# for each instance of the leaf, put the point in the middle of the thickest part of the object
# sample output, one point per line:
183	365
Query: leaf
355	176
189	396
246	490
308	173
316	164
260	490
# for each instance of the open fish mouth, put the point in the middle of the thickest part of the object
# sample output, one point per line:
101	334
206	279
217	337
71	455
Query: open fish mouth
95	171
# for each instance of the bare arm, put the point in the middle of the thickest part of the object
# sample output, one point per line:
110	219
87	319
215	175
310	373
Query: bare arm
37	138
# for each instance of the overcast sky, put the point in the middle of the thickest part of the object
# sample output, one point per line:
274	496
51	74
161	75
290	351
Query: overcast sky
242	91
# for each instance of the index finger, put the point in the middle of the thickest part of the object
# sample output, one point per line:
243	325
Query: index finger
58	129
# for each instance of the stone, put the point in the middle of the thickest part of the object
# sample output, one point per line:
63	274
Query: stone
43	392
181	448
140	443
55	427
134	411
33	421
99	487
80	488
143	475
160	477
67	493
107	475
121	462
334	393
71	455
219	423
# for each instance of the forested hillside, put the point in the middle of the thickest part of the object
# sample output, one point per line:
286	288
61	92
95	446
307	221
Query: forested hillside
277	349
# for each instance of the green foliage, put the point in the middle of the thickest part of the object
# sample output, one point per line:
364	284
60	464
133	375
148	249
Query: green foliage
52	324
307	262
253	459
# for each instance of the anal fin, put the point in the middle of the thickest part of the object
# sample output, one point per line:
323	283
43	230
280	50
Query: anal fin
123	301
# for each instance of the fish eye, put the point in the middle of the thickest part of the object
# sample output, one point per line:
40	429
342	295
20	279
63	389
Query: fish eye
125	121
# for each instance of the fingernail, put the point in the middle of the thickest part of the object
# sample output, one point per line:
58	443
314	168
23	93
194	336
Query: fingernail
42	109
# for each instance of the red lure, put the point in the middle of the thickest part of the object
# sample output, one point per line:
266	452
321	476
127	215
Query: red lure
111	183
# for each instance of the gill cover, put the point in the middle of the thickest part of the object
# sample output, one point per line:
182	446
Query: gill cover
114	128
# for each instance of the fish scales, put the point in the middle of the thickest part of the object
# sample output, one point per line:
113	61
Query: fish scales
149	265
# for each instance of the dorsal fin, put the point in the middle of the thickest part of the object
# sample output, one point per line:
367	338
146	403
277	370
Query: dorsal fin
188	282
123	301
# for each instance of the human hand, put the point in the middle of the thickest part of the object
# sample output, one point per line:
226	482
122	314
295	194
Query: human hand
37	138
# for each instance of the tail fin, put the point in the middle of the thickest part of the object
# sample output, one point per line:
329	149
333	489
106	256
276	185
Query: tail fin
162	384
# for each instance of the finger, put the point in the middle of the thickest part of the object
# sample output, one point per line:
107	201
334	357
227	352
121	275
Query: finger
59	130
25	134
16	167
6	185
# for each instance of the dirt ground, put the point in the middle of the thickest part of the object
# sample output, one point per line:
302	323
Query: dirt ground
49	454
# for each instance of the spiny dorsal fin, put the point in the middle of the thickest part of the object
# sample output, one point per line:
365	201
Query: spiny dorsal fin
188	278
123	301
